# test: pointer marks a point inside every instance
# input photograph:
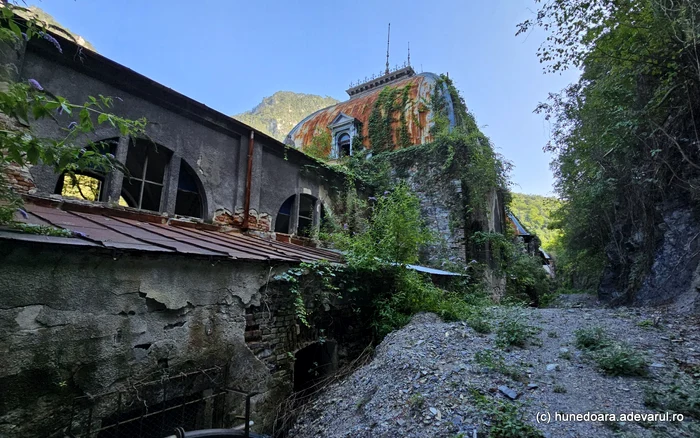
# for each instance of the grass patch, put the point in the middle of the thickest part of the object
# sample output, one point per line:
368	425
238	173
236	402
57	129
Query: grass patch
593	338
416	401
681	396
513	332
507	421
495	362
559	389
621	360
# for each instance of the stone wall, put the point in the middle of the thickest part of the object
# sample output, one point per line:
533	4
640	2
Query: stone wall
673	276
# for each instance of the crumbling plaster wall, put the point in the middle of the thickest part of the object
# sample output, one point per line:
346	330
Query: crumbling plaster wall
86	322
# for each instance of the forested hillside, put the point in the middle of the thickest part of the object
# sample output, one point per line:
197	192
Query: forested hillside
625	140
535	213
278	114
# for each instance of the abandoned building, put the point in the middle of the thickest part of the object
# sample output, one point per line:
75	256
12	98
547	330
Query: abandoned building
150	308
349	122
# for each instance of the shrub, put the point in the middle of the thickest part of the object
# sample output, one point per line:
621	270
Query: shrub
682	396
479	324
512	331
621	360
508	422
593	338
495	362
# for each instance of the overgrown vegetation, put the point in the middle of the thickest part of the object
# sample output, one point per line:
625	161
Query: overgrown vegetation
507	420
613	358
535	213
380	234
21	103
624	135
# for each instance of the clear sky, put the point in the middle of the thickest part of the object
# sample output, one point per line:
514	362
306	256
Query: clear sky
229	54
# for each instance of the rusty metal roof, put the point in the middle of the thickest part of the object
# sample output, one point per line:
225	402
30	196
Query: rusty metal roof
113	229
418	113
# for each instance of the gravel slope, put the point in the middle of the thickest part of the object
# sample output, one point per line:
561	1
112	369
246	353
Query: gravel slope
425	378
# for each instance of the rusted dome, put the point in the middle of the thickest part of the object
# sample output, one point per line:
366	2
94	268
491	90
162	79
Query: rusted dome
418	113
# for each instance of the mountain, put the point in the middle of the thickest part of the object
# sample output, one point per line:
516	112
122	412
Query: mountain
535	213
51	24
278	114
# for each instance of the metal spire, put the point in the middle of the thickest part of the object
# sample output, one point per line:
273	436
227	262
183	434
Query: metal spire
409	53
386	72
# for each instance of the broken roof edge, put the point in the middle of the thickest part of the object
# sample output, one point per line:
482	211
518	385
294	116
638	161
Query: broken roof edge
129	230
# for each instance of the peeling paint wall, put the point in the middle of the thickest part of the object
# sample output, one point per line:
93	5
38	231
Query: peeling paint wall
84	322
91	321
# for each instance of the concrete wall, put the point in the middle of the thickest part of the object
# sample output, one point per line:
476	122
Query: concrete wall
86	322
81	322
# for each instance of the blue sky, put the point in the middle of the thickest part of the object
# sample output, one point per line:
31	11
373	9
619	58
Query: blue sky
229	54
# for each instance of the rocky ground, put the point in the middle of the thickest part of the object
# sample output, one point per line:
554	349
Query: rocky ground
445	380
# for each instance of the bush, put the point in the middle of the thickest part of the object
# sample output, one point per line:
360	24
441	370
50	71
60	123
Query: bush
508	422
593	338
414	293
682	396
512	331
621	360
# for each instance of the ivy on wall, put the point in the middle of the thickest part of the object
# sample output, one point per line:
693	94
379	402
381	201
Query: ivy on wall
380	129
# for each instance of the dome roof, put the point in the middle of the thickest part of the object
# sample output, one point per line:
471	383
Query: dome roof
418	114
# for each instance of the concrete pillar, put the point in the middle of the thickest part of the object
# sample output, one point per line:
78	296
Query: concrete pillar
316	218
116	179
294	216
171	179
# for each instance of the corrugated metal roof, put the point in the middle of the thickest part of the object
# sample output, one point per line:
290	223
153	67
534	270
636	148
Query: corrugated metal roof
433	271
111	231
418	115
519	229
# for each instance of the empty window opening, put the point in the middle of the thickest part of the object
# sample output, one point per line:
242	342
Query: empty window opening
88	183
306	215
189	198
344	145
146	163
313	363
282	221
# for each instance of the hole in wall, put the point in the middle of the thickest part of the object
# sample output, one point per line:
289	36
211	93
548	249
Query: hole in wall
174	325
313	363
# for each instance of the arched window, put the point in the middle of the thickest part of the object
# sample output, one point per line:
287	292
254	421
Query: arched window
304	213
344	145
284	216
146	163
189	198
88	184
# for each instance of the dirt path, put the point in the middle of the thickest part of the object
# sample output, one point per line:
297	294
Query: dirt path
442	379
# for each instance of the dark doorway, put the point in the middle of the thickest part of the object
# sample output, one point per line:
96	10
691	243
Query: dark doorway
313	363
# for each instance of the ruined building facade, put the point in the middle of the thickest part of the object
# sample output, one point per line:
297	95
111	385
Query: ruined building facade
147	305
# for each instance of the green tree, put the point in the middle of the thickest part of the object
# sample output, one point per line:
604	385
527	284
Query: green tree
22	103
624	135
